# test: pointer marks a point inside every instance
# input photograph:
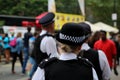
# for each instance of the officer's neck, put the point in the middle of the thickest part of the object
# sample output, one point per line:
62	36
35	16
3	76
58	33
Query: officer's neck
48	30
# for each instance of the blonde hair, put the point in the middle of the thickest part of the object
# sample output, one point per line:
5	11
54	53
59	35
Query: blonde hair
19	34
68	48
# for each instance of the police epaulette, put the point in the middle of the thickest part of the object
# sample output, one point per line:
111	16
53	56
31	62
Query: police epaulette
86	61
45	62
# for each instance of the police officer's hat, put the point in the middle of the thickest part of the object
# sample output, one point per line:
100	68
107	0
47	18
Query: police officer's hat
86	27
71	34
47	19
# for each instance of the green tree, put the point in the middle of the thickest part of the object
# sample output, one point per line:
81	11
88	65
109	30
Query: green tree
68	6
101	10
23	7
96	10
35	7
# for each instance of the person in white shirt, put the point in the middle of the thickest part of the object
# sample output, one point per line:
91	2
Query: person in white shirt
68	66
97	57
45	44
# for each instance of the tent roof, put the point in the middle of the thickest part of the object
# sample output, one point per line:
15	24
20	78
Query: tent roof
93	27
106	27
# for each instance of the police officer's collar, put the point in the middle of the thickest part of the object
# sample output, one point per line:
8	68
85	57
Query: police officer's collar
85	46
68	56
43	32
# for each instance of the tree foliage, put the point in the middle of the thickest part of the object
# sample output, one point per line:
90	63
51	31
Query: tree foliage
35	7
101	10
96	10
23	7
70	6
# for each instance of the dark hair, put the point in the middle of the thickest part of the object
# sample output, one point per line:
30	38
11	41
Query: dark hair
103	31
119	35
6	35
28	29
94	38
35	34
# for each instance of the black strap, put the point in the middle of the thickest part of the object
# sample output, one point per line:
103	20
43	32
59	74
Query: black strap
46	62
37	53
85	61
93	57
81	54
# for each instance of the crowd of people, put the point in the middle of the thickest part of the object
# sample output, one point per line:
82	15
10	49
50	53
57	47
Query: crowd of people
73	53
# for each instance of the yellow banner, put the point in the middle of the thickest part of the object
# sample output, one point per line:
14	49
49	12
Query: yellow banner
61	18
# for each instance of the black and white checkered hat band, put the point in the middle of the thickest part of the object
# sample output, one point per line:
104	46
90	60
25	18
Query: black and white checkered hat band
71	38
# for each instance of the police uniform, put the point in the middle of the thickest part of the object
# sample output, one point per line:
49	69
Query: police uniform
48	43
104	66
40	73
45	44
68	66
98	58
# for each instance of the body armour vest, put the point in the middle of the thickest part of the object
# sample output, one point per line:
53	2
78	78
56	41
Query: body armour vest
92	55
67	70
37	54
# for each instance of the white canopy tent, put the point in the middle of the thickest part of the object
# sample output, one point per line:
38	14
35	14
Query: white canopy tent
106	27
93	27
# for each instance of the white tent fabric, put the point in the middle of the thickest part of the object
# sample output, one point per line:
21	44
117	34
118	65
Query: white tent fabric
93	27
106	27
82	6
51	6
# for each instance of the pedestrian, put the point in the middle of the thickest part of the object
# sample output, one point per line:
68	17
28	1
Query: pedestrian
109	48
95	37
6	47
118	48
15	52
45	44
97	57
68	66
32	65
27	36
20	47
115	38
1	46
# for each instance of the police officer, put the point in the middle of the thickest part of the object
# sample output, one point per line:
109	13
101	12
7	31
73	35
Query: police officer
68	66
45	44
98	58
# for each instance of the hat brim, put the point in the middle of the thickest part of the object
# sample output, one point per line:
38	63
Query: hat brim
68	42
48	23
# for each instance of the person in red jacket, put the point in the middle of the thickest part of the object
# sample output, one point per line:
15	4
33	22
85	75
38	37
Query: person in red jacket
108	47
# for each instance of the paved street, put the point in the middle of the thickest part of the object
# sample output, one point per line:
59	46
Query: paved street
5	72
114	77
